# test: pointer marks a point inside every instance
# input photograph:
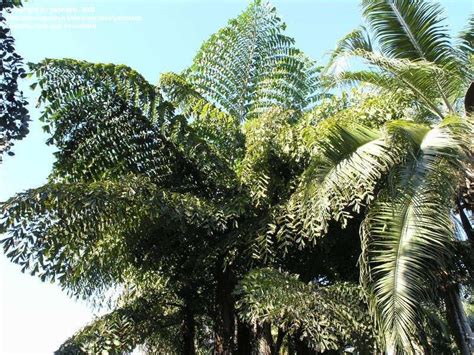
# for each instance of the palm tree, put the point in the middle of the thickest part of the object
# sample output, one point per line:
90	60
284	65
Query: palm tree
404	175
148	195
127	172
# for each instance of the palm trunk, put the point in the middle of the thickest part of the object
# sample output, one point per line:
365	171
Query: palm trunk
188	328
264	339
458	321
244	338
224	322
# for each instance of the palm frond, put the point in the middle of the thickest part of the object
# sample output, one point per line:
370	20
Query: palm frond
250	63
466	37
61	80
407	29
108	120
219	129
129	325
355	40
290	86
343	178
77	233
410	227
413	32
420	78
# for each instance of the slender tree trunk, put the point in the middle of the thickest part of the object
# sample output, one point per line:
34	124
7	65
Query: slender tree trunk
188	328
264	339
225	320
244	338
458	321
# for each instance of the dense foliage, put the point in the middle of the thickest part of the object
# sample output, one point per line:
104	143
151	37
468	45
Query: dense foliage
14	116
238	207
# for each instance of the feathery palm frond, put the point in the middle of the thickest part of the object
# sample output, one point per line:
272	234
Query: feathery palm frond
108	120
249	65
410	29
343	176
127	326
63	80
413	32
411	227
77	233
358	39
467	37
417	78
219	129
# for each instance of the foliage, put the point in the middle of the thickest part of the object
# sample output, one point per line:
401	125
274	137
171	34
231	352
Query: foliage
250	65
146	309
411	51
409	225
326	317
177	194
6	4
14	116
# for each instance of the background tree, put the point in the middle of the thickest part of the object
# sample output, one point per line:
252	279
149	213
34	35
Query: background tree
14	116
411	53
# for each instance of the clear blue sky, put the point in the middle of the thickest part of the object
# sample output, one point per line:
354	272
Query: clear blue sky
158	36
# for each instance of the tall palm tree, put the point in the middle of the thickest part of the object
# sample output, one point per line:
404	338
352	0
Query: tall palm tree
146	193
405	175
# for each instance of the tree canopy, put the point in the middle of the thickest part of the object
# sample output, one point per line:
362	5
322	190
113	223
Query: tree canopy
253	204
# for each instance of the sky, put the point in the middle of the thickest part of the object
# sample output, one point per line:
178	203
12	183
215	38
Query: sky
153	37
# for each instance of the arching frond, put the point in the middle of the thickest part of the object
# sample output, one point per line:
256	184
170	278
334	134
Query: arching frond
250	64
289	86
121	330
410	227
61	80
407	29
219	129
185	97
467	37
355	40
342	178
419	78
78	233
108	120
412	32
